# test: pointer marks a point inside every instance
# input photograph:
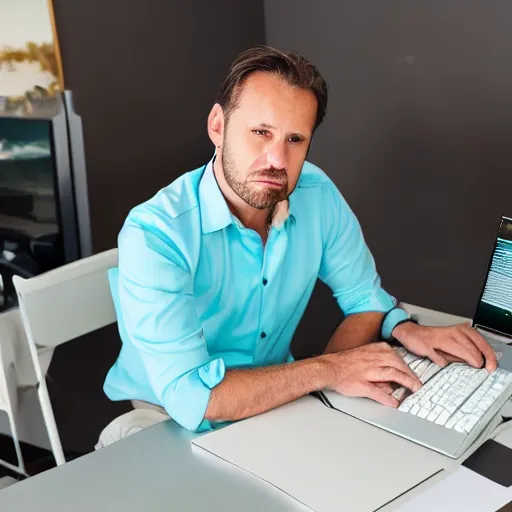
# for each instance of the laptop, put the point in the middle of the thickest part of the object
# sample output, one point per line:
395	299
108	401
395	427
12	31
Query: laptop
493	315
456	404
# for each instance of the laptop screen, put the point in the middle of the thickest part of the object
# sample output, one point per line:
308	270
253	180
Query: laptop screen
494	309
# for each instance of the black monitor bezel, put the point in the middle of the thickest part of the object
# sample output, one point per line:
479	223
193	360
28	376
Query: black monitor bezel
74	229
64	186
475	324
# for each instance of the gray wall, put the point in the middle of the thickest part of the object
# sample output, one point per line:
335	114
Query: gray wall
144	77
416	137
418	130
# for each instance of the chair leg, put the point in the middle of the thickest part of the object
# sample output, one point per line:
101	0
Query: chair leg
17	445
44	397
12	467
51	425
20	468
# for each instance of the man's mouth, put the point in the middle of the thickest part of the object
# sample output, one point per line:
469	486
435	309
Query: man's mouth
269	182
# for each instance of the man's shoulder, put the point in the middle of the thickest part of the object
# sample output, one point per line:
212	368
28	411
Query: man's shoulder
171	202
168	222
319	191
313	176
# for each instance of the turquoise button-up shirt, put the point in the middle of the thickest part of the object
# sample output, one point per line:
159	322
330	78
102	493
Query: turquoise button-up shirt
197	293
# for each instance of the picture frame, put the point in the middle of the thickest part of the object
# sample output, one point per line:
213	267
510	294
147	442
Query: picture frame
31	74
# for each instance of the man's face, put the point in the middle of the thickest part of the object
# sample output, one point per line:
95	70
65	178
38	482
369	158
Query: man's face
266	139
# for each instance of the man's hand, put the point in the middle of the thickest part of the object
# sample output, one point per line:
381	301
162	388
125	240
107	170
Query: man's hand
447	344
367	371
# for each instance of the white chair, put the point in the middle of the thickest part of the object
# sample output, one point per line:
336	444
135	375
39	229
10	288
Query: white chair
62	305
11	332
17	377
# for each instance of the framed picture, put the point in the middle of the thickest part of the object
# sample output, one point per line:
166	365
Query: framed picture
30	64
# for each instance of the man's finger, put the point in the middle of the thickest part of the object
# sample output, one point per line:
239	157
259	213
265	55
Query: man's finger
438	358
395	361
473	355
450	358
373	391
390	374
385	386
460	346
481	343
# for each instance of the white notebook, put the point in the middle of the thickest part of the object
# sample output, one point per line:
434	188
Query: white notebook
325	460
462	491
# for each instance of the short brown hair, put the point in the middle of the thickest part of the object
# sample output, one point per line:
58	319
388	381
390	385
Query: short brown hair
293	68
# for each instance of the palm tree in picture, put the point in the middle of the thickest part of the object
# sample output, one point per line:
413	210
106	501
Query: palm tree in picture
33	53
42	54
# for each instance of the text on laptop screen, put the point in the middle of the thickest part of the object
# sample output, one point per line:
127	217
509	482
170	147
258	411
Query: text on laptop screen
494	309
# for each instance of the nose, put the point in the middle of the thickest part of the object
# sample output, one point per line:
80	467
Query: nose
276	155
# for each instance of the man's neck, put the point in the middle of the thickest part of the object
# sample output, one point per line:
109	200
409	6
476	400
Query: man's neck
258	220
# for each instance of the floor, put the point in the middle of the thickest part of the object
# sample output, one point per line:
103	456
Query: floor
36	459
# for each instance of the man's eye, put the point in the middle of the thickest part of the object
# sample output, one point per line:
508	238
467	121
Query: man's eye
260	132
295	139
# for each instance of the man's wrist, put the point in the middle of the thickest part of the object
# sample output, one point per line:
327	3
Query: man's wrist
403	329
324	371
392	319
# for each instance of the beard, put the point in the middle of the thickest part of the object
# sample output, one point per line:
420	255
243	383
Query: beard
254	194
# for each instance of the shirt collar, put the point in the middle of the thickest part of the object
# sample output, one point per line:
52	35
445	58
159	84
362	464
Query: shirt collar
215	212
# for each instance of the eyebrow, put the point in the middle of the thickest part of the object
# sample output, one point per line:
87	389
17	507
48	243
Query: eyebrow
266	125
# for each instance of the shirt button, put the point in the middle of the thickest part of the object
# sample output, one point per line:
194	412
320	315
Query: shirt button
264	281
263	334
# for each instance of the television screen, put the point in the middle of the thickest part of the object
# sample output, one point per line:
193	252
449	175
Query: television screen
29	216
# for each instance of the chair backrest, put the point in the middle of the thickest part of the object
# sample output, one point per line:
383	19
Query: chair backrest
68	302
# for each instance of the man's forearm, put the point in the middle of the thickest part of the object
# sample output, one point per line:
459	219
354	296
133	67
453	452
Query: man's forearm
245	393
354	331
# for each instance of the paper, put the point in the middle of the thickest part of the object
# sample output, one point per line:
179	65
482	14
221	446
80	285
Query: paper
462	491
327	460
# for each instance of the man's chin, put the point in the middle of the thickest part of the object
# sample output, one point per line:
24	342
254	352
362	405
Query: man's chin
261	206
265	200
263	203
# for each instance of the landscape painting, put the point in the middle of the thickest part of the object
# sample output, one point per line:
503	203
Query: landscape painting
30	70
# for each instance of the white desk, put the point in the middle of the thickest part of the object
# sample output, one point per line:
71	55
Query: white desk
157	470
434	318
154	470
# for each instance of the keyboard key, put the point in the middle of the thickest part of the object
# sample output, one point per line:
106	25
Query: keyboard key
443	417
455	397
430	372
454	419
434	413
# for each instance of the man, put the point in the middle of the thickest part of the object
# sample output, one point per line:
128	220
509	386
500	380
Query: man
216	270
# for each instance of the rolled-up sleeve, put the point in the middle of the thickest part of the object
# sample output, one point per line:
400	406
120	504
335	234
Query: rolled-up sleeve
157	306
347	265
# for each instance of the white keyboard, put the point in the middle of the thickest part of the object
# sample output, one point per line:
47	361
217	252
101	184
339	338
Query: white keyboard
456	397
